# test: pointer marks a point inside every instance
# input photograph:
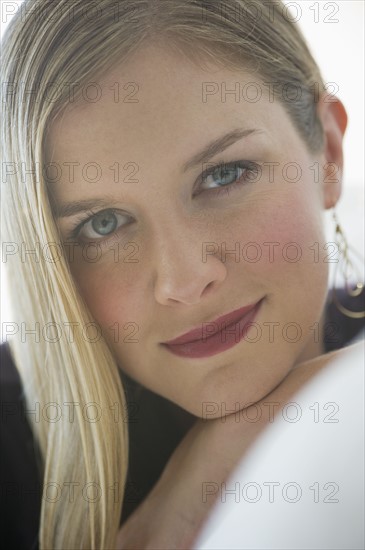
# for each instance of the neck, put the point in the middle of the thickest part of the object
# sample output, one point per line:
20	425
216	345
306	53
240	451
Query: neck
316	345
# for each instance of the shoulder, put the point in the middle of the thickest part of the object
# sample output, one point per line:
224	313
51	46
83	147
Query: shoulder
20	478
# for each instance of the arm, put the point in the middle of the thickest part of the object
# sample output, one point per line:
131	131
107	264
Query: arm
173	513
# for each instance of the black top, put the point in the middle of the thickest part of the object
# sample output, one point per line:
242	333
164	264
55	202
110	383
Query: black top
160	427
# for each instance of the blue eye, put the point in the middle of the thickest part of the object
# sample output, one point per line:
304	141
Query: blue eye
104	223
225	176
100	224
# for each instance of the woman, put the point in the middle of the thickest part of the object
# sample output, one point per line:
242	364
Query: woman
159	202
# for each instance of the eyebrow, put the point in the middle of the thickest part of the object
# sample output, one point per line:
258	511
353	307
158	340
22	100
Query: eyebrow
217	146
68	209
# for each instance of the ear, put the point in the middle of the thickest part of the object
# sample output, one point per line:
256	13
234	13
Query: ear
333	116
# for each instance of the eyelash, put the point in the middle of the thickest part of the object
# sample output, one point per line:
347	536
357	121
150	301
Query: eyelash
249	167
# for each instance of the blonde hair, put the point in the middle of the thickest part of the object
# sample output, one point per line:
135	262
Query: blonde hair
53	43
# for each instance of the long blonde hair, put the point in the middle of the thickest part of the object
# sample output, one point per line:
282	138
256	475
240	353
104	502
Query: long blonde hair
47	45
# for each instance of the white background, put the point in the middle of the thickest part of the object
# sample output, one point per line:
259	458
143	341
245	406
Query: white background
335	33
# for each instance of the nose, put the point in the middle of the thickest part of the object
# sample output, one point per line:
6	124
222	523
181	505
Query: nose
183	273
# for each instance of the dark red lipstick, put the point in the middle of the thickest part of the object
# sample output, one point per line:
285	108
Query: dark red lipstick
215	336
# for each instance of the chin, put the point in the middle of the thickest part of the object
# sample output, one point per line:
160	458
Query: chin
218	402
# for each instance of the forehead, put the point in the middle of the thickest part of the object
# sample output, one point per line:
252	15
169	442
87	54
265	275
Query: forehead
160	100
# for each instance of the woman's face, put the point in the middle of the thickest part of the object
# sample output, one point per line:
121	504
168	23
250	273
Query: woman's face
182	248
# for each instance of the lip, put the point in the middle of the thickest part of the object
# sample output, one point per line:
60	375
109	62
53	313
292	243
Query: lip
215	339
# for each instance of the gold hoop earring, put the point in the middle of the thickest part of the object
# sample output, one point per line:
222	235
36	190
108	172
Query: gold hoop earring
347	269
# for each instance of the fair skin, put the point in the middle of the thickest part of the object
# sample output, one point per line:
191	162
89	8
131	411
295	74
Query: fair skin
169	215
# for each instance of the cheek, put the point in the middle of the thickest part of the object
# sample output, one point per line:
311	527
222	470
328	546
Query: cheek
289	234
286	234
114	299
